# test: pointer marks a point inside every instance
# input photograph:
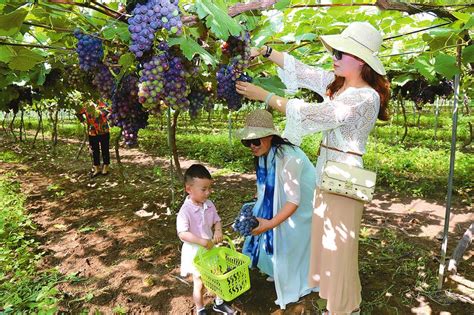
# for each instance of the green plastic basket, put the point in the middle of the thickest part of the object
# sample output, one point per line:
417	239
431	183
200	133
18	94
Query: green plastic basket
224	271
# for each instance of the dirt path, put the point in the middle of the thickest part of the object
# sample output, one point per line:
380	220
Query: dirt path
119	237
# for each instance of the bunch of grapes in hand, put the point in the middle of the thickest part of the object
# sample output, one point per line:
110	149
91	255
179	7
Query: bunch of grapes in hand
245	221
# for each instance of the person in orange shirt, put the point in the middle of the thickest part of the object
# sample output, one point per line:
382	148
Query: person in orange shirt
95	116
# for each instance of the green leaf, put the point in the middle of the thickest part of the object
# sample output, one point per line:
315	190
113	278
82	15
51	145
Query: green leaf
290	37
462	16
282	4
273	25
126	60
25	59
468	54
306	36
470	24
190	48
217	19
271	84
10	23
446	65
402	79
425	67
117	29
6	53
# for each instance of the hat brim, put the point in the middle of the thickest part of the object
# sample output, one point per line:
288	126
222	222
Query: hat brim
250	133
350	46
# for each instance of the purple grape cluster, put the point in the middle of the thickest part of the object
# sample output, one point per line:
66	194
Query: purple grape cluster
163	78
226	76
421	91
150	17
89	49
74	76
245	221
200	97
238	49
237	46
152	81
104	81
127	112
176	87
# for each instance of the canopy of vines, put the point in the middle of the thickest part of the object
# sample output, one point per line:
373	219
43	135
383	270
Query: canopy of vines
182	54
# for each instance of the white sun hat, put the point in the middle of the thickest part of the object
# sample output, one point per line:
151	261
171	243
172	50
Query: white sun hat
360	39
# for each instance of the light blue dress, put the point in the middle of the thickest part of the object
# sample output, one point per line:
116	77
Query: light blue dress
289	265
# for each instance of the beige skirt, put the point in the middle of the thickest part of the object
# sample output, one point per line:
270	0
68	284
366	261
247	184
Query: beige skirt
334	263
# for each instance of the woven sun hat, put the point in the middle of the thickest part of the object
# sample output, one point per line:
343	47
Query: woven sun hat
360	39
258	124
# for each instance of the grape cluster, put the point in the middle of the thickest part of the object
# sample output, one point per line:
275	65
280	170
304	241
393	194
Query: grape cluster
245	221
127	112
226	76
200	97
163	78
421	91
150	17
238	49
237	45
89	49
104	81
74	76
151	81
176	88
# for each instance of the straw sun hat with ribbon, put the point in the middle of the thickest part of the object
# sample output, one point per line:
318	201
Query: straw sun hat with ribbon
360	39
258	124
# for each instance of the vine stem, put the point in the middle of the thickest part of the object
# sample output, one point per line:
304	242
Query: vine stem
35	46
89	6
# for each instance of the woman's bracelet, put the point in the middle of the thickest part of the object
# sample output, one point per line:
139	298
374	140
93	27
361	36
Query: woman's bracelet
268	98
268	52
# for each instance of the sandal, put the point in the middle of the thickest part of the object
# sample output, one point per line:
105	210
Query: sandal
95	172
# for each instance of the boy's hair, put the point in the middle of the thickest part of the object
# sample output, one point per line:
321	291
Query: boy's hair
196	171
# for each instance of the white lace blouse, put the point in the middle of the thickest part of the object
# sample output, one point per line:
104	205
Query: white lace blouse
354	112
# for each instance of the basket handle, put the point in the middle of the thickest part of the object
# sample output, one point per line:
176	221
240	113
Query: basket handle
231	244
202	249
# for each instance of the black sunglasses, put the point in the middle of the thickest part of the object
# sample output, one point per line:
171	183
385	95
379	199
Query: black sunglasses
337	54
255	142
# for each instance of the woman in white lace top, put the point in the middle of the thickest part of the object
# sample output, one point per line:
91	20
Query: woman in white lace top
354	94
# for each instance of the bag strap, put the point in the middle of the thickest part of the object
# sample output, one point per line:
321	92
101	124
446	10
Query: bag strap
335	149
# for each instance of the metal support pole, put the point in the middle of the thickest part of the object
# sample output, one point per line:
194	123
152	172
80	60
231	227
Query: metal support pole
444	245
230	128
171	157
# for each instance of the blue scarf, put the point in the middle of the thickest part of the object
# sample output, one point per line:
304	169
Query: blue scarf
264	206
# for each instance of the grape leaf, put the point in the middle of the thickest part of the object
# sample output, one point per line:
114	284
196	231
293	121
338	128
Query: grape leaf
10	23
6	53
446	65
468	54
190	47
424	66
271	84
402	79
282	4
469	24
25	59
120	30
217	19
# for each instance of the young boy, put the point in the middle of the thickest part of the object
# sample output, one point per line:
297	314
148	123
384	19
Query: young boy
194	224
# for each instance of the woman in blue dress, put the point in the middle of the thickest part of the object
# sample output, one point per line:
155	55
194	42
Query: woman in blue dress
280	244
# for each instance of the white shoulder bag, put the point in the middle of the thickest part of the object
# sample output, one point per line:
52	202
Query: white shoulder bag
347	180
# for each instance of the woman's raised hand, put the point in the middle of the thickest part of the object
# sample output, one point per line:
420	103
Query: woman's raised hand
250	91
255	52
